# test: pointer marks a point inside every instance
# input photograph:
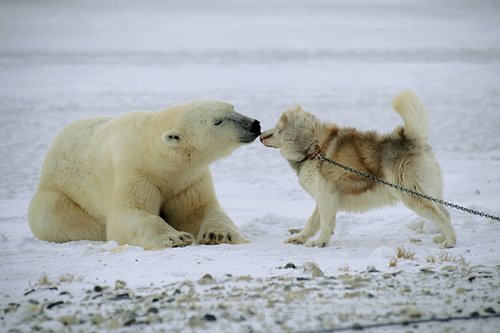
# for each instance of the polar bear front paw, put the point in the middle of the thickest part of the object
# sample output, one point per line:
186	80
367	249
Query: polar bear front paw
221	237
181	239
316	243
171	239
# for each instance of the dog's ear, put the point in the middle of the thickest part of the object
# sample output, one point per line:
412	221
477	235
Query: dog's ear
172	137
284	117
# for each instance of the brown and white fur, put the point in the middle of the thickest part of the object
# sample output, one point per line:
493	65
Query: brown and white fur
402	157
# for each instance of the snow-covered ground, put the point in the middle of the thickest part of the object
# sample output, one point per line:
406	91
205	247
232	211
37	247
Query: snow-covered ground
342	60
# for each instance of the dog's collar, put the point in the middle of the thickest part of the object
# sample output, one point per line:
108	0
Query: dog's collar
312	153
313	156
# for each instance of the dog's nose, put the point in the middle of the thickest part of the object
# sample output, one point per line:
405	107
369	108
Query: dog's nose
264	136
255	128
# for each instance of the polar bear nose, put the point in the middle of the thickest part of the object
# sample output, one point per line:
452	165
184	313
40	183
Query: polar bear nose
255	128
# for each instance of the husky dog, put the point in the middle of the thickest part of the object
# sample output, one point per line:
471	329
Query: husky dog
402	157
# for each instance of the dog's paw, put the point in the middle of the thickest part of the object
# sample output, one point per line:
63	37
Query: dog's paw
298	239
438	239
316	243
295	231
446	245
221	237
443	242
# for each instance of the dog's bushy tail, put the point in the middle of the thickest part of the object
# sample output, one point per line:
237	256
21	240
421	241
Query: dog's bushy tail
413	112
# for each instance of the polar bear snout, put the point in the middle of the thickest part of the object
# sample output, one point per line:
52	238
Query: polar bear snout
255	128
249	130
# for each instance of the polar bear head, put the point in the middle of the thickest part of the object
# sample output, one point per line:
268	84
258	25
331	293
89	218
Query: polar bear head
203	131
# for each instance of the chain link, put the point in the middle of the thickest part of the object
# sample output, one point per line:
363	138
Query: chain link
407	190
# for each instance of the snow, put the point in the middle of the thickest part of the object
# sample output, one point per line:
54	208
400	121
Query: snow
342	60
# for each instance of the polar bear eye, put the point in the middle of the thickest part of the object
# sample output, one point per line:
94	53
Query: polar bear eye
218	122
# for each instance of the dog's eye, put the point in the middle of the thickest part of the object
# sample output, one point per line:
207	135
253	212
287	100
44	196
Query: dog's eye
218	122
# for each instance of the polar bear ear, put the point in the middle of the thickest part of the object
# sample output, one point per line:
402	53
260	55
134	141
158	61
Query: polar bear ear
171	137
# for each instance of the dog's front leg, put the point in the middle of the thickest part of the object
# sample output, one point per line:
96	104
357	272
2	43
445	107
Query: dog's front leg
309	230
327	203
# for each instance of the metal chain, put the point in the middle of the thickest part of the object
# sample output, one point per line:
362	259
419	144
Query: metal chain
407	190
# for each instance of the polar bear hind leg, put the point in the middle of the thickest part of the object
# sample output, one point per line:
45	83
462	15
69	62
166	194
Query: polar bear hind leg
54	217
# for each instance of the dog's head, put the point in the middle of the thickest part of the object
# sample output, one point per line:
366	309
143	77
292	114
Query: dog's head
296	135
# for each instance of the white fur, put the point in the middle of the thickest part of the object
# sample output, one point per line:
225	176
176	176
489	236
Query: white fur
140	179
413	112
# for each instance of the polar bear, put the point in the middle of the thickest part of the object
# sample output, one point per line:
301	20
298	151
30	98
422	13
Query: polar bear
141	179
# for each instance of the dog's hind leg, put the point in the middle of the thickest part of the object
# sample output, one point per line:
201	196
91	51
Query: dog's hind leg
437	214
309	230
441	238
